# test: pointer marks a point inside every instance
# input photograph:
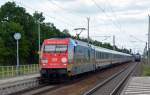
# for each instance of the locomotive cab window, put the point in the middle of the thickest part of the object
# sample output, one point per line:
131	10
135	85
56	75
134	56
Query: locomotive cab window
55	48
49	48
61	48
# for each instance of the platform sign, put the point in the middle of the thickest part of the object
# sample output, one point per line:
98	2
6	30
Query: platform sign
17	36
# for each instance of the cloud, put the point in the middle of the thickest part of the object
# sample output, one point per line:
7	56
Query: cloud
110	18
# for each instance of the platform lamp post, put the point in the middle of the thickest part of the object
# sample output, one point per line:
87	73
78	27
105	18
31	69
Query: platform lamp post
148	39
17	37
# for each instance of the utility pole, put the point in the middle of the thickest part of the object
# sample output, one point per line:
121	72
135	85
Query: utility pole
149	40
39	38
88	38
88	20
39	35
114	42
145	53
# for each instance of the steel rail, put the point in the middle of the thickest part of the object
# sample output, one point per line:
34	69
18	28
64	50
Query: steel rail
40	90
117	88
104	82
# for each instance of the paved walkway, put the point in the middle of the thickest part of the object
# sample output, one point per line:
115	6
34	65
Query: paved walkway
137	86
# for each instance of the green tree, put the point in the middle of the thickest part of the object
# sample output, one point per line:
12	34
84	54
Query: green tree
11	14
8	43
13	19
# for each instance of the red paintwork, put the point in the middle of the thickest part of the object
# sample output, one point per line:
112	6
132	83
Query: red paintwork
54	59
57	41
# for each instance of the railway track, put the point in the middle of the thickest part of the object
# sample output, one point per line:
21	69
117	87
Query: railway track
113	84
83	83
47	87
39	90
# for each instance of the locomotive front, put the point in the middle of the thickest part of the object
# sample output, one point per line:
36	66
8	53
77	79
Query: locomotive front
54	58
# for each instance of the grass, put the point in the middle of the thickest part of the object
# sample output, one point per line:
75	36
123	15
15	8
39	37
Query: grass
146	70
12	71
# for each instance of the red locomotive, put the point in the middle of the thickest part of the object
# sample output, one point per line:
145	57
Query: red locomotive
69	57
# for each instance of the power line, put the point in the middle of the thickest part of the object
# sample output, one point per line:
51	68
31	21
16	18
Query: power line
120	23
45	14
137	38
115	16
62	8
103	10
21	3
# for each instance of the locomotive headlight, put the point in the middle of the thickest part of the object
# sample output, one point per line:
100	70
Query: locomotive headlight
64	60
44	61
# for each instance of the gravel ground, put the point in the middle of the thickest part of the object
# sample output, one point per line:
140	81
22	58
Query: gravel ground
110	86
89	81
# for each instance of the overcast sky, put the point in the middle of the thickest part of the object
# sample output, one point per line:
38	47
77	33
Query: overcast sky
126	19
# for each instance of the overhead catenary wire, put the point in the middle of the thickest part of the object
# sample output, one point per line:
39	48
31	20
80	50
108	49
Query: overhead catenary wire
115	16
62	8
66	10
113	13
137	39
117	24
121	25
103	10
49	16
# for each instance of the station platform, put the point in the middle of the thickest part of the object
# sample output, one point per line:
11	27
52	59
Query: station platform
137	86
18	78
19	83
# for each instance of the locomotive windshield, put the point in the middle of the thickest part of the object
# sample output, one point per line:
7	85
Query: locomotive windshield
55	48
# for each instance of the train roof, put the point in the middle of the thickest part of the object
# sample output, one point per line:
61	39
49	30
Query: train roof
101	48
77	42
81	43
109	51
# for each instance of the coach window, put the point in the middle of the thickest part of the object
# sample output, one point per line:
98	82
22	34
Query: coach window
113	55
102	55
92	54
84	53
107	57
99	55
96	55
